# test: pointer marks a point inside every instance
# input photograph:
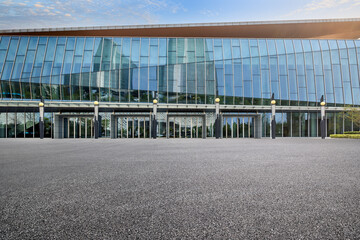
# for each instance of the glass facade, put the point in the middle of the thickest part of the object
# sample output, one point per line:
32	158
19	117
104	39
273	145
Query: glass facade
180	70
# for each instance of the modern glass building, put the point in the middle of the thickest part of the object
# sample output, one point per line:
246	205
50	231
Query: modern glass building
184	67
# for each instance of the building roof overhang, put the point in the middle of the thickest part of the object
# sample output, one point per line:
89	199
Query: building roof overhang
302	29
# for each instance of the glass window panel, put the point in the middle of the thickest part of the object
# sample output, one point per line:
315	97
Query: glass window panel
79	48
7	71
295	124
43	40
153	55
4	43
39	59
50	49
200	47
162	47
172	44
107	49
67	62
324	45
98	45
144	61
190	43
2	59
59	55
227	49
335	59
77	64
11	120
145	44
47	69
315	45
280	47
245	49
23	45
348	93
61	41
33	43
154	41
12	49
116	54
89	43
70	43
282	65
284	88
354	75
36	72
306	46
256	86
87	60
289	46
18	67
339	96
356	92
29	61
263	47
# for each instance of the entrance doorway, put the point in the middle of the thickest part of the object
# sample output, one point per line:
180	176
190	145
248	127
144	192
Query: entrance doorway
74	126
130	126
241	125
186	126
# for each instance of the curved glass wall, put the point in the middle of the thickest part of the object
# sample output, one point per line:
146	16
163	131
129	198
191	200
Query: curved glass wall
180	70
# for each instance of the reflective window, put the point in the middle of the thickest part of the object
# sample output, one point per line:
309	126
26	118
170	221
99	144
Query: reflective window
182	70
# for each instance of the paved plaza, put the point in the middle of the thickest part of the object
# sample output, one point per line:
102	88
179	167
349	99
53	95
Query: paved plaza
286	188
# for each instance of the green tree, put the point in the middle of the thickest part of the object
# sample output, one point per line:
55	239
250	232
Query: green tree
353	113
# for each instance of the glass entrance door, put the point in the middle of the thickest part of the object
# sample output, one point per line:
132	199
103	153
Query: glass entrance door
238	127
78	127
185	127
133	127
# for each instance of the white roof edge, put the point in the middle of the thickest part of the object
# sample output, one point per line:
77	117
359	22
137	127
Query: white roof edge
59	29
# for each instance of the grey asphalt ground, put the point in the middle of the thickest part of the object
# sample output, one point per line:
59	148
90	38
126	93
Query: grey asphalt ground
180	189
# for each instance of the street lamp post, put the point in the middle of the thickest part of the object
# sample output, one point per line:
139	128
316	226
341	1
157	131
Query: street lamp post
154	121
322	122
217	120
96	119
273	121
41	120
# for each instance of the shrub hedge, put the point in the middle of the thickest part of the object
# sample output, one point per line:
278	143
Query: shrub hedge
352	132
352	136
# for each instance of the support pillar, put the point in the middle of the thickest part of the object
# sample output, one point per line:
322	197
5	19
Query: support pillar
218	119
41	120
322	122
96	119
273	121
113	126
58	127
154	120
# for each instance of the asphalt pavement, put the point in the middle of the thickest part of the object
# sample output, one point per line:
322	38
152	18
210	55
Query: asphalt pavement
290	188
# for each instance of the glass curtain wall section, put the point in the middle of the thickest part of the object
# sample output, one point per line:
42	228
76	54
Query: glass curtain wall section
180	70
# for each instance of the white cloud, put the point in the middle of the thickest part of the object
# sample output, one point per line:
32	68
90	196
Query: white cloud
56	13
317	5
209	13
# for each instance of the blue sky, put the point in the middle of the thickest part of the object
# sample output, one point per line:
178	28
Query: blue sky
78	13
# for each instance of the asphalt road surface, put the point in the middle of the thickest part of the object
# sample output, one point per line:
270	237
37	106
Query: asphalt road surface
180	188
